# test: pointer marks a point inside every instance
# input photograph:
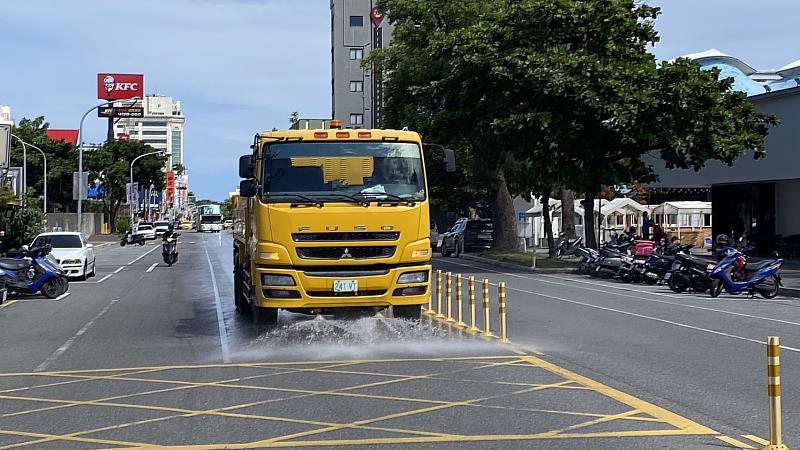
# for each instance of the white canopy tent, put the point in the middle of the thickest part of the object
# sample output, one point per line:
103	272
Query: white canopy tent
683	217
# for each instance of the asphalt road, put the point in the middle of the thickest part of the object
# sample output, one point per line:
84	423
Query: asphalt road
145	354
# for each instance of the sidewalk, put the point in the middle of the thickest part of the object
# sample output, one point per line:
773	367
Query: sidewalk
104	238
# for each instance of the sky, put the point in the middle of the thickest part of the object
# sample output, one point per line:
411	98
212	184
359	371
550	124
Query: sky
243	66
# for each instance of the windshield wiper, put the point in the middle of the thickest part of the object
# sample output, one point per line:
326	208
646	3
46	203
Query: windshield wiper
306	200
352	198
378	196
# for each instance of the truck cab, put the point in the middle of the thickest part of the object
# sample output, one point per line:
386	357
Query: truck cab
332	219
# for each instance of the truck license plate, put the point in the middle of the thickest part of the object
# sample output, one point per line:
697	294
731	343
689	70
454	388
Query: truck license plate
345	286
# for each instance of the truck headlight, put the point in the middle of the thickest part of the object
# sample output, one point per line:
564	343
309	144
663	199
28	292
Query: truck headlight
420	253
413	277
273	279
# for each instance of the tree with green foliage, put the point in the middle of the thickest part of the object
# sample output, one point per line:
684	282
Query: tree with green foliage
62	161
26	222
112	163
544	93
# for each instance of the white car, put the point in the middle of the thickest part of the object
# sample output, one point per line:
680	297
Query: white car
146	228
161	227
72	251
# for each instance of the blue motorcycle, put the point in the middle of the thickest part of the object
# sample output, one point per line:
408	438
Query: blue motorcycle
761	277
35	271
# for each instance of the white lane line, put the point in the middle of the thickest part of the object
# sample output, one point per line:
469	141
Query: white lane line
627	313
223	333
104	278
142	256
62	296
150	269
120	269
721	311
60	351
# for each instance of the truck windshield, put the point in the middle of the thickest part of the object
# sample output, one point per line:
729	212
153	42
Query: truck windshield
360	170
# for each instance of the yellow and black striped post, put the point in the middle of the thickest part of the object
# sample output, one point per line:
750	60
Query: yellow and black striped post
471	284
774	389
486	324
459	300
439	293
501	298
449	288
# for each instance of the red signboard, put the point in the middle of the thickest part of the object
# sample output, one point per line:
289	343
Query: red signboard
119	86
63	135
376	16
170	185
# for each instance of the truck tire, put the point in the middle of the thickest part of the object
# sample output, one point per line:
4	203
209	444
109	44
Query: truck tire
263	318
238	299
408	312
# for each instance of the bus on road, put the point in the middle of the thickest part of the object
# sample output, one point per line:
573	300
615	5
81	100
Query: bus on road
209	218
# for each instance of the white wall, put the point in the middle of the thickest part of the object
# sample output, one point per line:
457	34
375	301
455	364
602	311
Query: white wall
787	212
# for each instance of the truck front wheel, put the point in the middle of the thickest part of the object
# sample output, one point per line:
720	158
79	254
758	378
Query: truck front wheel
237	284
409	312
263	318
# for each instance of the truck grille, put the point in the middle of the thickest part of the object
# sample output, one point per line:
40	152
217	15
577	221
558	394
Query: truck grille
346	252
354	236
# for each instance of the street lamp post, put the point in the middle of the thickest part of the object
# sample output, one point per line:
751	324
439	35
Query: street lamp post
25	169
132	162
80	152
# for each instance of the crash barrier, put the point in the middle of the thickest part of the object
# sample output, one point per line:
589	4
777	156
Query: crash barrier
449	308
774	391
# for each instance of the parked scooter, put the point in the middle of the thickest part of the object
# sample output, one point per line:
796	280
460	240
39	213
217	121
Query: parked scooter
36	271
566	246
131	238
689	272
661	261
589	258
735	275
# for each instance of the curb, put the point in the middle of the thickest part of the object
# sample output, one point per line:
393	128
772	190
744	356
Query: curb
508	265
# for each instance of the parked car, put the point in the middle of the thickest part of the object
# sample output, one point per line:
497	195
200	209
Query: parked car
72	251
160	227
466	236
227	224
146	228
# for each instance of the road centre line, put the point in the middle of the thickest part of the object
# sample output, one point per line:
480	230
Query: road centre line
631	296
60	351
142	256
104	278
120	269
223	333
150	269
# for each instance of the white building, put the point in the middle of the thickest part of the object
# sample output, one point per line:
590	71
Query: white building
161	127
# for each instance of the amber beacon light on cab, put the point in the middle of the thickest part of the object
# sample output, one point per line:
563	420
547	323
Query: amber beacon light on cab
332	221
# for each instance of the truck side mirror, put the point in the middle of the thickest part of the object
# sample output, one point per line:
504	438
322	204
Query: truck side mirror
449	160
247	166
247	188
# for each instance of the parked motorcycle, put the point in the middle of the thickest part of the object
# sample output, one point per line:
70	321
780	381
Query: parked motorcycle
566	246
589	258
35	271
735	275
689	272
661	261
131	238
169	249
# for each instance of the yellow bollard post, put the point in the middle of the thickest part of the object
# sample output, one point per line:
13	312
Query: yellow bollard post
471	284
459	300
774	390
439	294
449	288
501	298
486	325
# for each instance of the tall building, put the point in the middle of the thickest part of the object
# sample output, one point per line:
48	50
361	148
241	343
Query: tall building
161	127
357	92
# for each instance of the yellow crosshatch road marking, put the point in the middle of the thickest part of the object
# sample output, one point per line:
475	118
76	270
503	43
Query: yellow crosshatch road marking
409	393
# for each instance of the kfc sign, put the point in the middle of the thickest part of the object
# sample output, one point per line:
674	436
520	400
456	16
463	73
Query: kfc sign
118	86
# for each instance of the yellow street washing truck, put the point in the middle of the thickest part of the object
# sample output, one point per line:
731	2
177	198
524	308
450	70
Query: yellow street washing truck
332	220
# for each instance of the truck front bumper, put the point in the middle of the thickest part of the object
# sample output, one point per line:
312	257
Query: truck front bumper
314	288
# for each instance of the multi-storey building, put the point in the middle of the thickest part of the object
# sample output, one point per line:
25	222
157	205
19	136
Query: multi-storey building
357	91
161	127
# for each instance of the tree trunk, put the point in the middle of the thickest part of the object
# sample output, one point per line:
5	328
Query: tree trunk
567	213
588	220
505	227
548	224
